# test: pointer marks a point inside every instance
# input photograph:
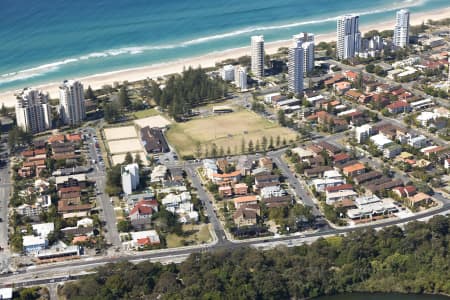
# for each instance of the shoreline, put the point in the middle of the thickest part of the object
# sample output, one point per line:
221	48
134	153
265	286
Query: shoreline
207	60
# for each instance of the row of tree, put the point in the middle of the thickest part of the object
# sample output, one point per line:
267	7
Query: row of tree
188	90
413	260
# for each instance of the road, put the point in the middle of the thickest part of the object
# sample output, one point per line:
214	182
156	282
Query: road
107	210
298	187
5	189
51	273
206	201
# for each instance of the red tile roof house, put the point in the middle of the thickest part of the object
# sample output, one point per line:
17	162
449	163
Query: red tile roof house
399	107
73	137
354	170
341	158
342	87
342	187
351	76
407	191
225	191
229	177
240	189
144	209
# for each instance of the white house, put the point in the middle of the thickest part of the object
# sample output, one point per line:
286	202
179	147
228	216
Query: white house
362	133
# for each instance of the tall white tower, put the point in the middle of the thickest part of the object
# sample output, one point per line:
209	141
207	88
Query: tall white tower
348	36
296	63
71	100
401	29
33	111
240	77
258	55
307	40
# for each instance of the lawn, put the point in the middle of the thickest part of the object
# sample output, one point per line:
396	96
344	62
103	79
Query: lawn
196	234
226	131
145	113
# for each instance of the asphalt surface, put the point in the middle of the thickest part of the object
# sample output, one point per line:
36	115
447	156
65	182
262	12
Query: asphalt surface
5	188
103	201
50	273
296	185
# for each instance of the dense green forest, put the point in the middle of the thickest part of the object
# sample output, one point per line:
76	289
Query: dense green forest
188	90
413	260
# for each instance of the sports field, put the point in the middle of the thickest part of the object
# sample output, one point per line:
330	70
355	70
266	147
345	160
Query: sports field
119	133
226	131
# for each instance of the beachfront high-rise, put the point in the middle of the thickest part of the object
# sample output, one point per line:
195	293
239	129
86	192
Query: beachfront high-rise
71	102
240	78
307	40
401	29
348	36
33	111
296	61
257	55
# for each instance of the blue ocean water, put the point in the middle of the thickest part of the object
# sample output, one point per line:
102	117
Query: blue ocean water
51	40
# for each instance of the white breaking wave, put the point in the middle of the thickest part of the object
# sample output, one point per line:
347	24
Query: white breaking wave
51	67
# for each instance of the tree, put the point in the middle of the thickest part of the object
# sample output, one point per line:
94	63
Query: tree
243	145
3	110
128	159
198	149
124	100
124	226
257	146
250	146
111	112
228	150
264	143
138	160
221	151
281	117
214	150
89	94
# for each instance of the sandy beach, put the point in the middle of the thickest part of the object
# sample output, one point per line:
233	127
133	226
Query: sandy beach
208	60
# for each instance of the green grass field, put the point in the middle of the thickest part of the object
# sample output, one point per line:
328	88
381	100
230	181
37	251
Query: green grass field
226	131
145	113
199	235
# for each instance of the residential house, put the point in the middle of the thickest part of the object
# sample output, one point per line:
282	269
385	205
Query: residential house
158	174
153	140
142	213
209	168
246	216
419	199
225	191
72	206
244	200
240	189
341	158
272	191
360	179
399	106
222	165
407	191
317	171
227	177
266	162
176	174
338	195
143	239
41	205
244	165
353	170
392	150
